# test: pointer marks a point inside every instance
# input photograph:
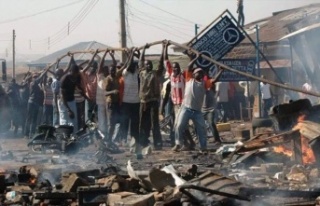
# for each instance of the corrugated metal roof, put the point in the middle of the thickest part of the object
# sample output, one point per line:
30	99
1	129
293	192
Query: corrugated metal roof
308	28
91	45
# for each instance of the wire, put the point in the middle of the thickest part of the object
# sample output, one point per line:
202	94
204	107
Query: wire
41	12
175	21
76	23
152	18
64	29
127	23
187	20
73	24
157	22
143	22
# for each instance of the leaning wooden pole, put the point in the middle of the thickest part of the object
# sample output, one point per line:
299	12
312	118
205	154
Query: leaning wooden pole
206	58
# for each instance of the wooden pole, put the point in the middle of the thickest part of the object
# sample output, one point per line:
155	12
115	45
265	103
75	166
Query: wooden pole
208	59
247	74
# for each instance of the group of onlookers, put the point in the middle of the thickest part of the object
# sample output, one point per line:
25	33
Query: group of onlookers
125	98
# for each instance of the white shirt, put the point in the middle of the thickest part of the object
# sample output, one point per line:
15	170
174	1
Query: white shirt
101	90
131	87
265	91
222	91
245	86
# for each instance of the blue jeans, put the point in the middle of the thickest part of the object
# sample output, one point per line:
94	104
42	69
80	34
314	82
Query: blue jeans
64	116
267	104
47	116
185	114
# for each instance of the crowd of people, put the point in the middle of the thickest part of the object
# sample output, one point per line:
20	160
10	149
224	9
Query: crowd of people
125	98
119	97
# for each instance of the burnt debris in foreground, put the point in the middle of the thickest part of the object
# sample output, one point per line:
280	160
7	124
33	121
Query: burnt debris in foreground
276	167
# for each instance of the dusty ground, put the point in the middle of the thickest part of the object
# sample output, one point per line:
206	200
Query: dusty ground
86	160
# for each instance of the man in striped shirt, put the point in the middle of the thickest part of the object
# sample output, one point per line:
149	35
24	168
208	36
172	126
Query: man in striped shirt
48	102
240	13
177	86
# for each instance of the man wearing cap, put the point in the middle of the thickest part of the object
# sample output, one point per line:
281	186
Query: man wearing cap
192	104
175	89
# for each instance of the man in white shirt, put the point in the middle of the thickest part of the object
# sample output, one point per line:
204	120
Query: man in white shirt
266	96
222	89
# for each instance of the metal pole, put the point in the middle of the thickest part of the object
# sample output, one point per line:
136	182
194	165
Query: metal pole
203	30
258	66
13	54
196	27
123	33
261	53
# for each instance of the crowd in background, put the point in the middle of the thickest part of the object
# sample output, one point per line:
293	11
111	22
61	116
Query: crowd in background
126	96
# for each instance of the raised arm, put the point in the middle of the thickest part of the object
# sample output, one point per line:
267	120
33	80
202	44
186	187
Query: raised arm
114	62
70	63
192	62
126	65
91	60
130	60
101	64
216	78
57	64
142	57
161	62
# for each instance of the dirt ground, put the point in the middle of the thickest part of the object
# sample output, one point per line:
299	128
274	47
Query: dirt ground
85	159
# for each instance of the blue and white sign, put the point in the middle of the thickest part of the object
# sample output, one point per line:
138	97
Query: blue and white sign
243	65
221	38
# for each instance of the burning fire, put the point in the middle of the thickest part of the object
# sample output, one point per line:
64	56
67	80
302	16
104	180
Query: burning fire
307	153
32	180
282	149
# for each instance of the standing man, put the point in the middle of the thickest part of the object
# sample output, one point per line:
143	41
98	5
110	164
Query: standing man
192	104
90	82
34	103
15	104
113	97
266	96
208	107
176	90
222	90
149	98
131	100
102	73
240	13
67	103
55	86
47	103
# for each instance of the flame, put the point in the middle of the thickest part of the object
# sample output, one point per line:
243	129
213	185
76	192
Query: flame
301	118
283	150
32	180
307	153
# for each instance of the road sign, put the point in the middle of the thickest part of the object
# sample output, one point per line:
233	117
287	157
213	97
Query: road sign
244	65
221	38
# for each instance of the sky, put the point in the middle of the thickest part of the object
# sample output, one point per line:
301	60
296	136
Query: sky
41	26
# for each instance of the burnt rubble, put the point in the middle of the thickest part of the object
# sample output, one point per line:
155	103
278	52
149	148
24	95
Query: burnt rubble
278	168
